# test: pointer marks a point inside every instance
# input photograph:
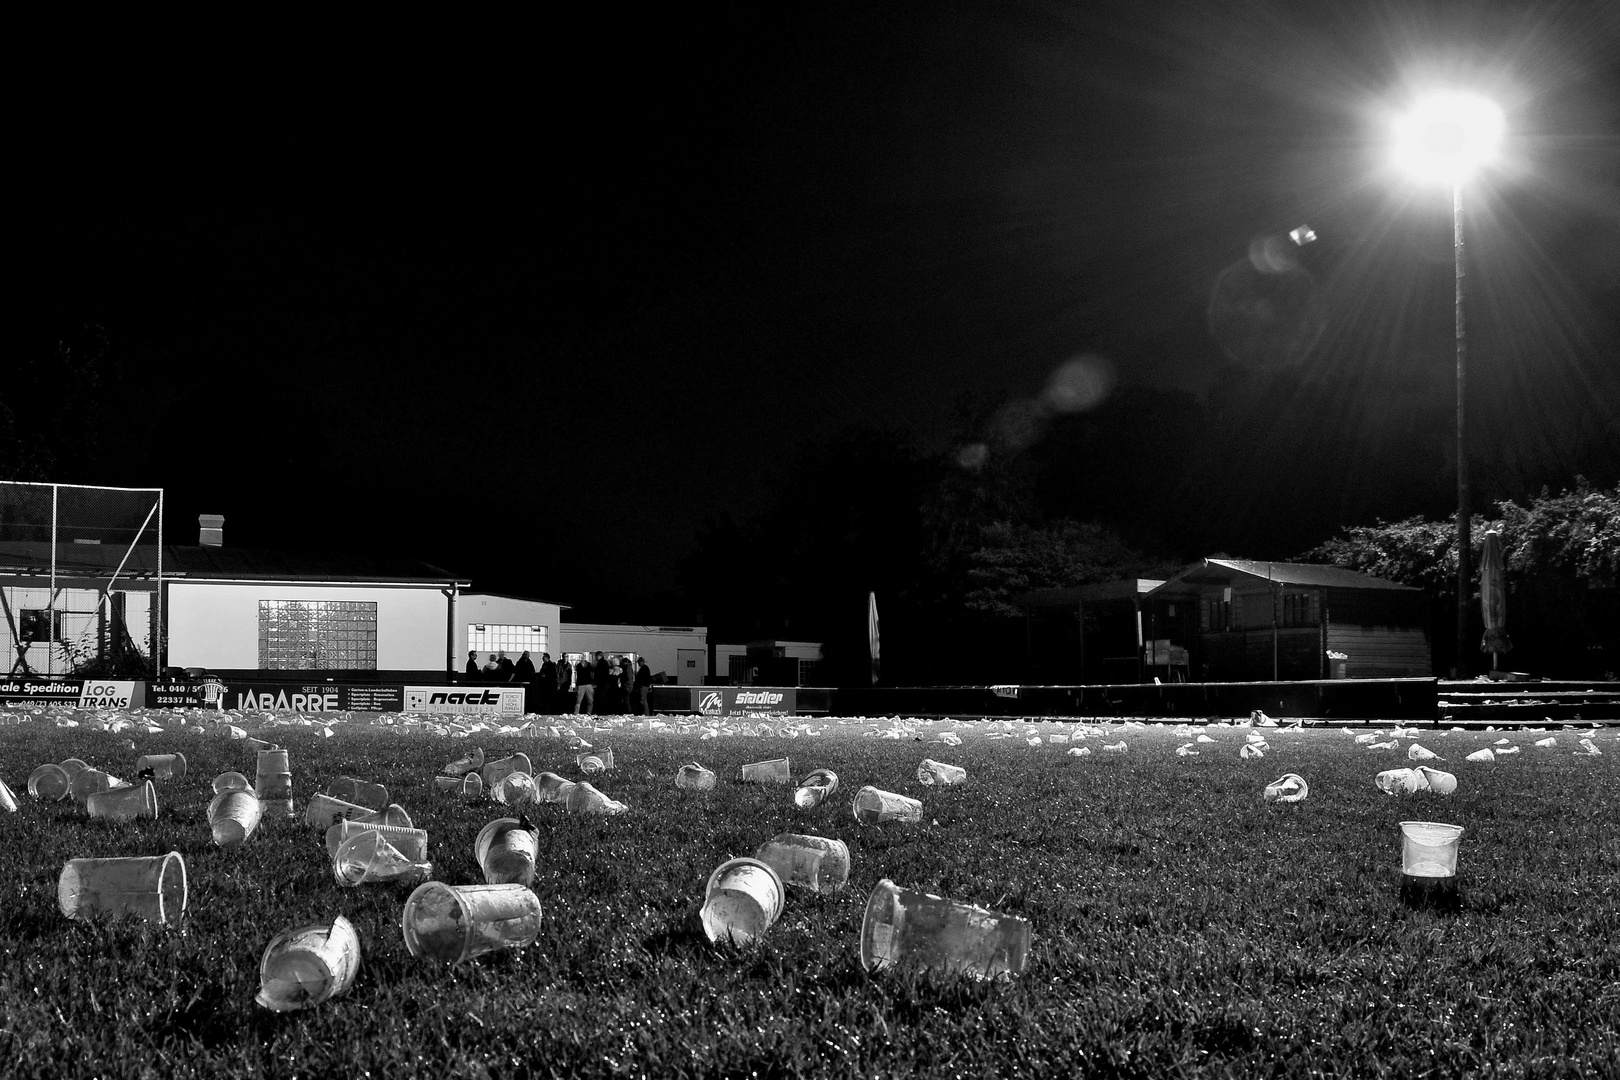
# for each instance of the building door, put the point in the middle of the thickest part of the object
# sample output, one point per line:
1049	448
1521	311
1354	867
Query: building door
689	666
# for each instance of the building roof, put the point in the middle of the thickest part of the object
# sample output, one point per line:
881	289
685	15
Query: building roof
1226	571
1096	592
33	558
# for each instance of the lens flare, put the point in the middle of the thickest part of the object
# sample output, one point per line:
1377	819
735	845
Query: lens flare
1447	137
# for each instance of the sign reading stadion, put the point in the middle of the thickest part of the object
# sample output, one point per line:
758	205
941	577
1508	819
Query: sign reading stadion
744	701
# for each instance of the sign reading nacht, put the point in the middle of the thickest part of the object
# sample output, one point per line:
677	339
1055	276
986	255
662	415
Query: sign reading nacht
456	699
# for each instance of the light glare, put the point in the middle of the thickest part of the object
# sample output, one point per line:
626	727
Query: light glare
1445	138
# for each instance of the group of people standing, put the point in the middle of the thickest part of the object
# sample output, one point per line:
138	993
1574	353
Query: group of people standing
604	685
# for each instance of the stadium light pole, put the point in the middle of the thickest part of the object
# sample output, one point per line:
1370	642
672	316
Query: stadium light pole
1446	138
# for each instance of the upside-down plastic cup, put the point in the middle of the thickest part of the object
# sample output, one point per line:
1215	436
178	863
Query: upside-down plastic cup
126	803
1288	788
368	857
360	792
774	771
551	788
454	923
905	926
743	898
1429	864
90	781
272	761
153	887
515	789
324	811
308	965
814	789
933	772
409	842
163	766
275	794
873	805
472	762
231	781
583	798
807	862
232	817
50	782
506	850
496	771
694	777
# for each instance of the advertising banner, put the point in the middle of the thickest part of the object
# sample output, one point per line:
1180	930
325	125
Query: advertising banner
83	693
506	701
315	697
744	700
172	694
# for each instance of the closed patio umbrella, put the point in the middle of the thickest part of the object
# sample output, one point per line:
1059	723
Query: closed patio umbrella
872	633
1493	598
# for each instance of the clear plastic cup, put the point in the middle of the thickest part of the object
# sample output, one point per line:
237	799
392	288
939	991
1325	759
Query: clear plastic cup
583	798
392	814
1399	781
505	850
599	761
127	803
515	789
905	926
409	842
743	898
496	771
8	799
551	788
814	789
931	773
232	817
1429	849
73	767
873	805
50	782
471	762
90	781
1441	783
369	858
807	862
454	923
360	792
694	777
302	968
274	761
324	811
1288	788
231	781
152	887
163	766
774	771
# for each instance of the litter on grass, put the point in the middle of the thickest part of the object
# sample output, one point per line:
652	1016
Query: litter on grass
455	923
1288	788
931	773
742	900
873	805
906	927
807	862
304	967
814	789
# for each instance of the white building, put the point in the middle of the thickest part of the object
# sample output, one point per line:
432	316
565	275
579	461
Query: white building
680	654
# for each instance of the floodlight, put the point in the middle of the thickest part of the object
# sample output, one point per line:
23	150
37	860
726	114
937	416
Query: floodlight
1446	137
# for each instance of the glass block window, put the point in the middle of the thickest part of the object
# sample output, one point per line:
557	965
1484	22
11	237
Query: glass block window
514	641
808	670
315	634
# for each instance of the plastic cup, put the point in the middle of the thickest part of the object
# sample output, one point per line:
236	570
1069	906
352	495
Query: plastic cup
1441	783
743	898
369	857
275	794
694	777
1288	788
8	800
324	811
814	789
496	771
273	761
50	782
304	967
163	766
583	798
90	781
1429	849
807	862
595	763
470	763
515	789
394	814
231	781
454	923
124	803
551	788
931	772
409	842
73	767
1397	781
233	815
904	926
153	887
873	805
505	851
774	771
361	793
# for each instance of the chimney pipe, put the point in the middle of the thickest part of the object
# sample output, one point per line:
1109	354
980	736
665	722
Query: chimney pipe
211	530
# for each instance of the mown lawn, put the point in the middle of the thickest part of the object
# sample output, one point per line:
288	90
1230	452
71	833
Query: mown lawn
1183	926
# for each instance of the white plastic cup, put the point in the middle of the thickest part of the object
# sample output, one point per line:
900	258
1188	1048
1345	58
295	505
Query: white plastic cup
1288	788
583	798
743	898
774	771
496	771
324	811
807	862
1397	781
163	766
1441	783
694	777
905	926
8	800
231	781
127	803
409	842
472	762
50	782
454	923
360	792
302	968
153	887
232	816
368	857
515	789
814	789
551	788
506	851
873	805
394	814
931	772
1429	849
90	781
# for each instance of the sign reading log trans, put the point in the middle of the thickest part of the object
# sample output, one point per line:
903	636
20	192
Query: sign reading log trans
454	699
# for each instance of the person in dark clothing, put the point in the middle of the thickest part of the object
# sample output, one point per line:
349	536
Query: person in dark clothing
607	685
472	667
505	670
525	669
546	683
627	685
567	684
585	687
643	687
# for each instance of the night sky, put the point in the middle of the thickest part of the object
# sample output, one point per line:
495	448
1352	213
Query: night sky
532	301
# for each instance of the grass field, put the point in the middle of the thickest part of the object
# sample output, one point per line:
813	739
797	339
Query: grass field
1182	925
